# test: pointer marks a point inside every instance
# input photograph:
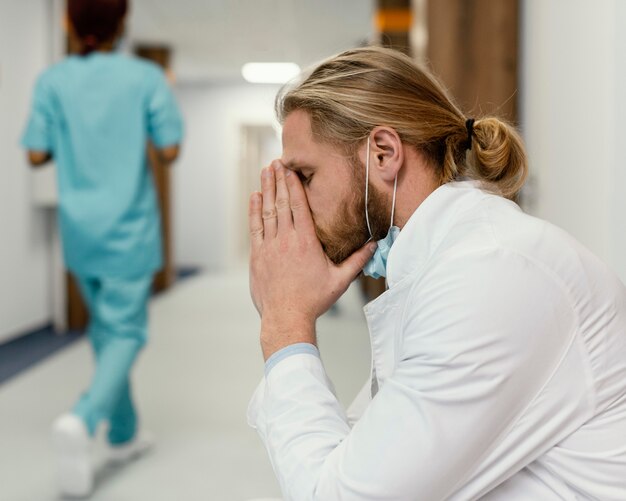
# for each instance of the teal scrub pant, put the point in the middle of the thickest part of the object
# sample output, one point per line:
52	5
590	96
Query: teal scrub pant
118	320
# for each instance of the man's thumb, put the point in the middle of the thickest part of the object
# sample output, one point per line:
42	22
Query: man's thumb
353	265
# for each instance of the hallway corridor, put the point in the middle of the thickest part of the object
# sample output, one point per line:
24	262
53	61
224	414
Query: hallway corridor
192	386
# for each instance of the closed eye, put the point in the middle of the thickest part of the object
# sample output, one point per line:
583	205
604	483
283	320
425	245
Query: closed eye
305	179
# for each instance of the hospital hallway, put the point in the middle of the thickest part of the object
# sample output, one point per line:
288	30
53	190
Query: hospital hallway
192	386
134	138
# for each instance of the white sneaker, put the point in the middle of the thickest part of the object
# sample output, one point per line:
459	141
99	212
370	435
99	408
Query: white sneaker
138	446
73	448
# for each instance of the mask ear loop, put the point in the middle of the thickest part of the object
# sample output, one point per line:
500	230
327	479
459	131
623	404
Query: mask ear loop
393	201
367	183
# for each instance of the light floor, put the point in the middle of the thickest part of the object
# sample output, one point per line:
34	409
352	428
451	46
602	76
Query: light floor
192	385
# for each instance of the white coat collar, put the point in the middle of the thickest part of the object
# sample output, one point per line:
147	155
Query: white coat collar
427	226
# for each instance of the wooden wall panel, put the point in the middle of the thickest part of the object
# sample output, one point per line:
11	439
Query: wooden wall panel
393	20
473	48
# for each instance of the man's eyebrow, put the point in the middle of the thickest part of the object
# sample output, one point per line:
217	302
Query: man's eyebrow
297	166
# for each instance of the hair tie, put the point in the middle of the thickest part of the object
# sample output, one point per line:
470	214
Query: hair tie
469	125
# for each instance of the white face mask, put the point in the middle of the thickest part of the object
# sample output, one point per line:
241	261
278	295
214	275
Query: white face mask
376	267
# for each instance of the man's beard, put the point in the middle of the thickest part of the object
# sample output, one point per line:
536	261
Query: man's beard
348	232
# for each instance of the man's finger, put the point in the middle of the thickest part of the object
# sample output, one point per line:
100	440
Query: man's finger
268	186
353	265
283	207
255	219
302	219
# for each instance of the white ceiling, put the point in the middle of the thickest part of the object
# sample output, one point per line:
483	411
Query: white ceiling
212	39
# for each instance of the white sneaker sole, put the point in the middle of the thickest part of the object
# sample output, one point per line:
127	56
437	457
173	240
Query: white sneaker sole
72	446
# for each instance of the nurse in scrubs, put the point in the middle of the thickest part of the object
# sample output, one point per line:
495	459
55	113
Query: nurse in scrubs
94	113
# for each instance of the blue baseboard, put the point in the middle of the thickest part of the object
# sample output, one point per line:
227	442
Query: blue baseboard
183	272
25	351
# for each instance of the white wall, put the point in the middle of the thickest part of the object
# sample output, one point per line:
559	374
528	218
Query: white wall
573	118
25	49
618	194
207	210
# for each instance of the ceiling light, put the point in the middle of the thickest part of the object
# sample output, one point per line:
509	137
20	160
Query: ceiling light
269	72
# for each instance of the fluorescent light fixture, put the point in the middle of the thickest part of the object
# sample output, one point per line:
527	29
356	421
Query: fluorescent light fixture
269	72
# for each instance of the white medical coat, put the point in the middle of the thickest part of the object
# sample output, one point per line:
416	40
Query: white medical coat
498	373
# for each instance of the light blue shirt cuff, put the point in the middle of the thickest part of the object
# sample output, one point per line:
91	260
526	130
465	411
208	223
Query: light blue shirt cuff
288	351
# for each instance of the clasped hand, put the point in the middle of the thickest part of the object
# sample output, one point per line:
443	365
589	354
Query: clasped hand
292	281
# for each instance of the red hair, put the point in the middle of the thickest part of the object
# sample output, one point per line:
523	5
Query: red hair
96	21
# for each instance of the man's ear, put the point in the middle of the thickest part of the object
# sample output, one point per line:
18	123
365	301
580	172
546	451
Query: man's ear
387	152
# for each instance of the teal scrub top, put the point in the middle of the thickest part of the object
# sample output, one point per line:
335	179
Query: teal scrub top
95	114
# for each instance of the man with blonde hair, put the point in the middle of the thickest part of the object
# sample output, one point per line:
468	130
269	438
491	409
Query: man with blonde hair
499	348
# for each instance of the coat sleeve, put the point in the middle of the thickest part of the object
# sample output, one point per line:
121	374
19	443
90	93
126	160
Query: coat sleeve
485	339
